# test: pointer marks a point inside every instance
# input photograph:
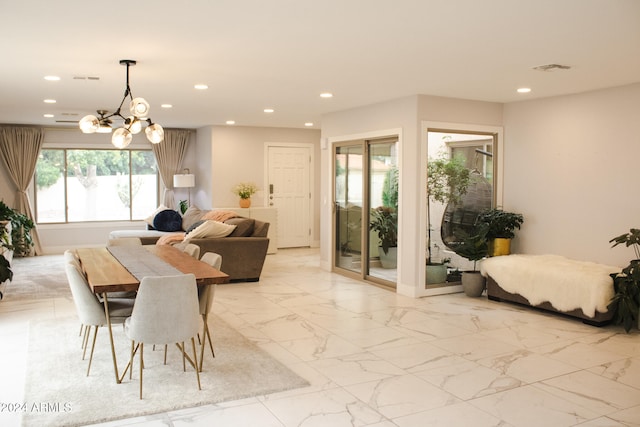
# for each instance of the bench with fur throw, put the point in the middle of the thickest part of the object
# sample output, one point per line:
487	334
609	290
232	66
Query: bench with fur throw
576	288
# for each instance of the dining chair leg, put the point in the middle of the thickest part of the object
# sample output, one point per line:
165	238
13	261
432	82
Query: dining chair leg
113	348
184	360
206	336
131	360
141	358
165	354
93	346
195	360
85	340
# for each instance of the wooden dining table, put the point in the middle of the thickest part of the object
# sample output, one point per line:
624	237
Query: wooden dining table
106	274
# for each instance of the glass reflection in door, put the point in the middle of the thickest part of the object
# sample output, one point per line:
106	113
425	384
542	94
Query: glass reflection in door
383	202
348	172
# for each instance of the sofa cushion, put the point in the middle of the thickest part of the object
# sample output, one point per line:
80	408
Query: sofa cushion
167	220
210	229
191	216
195	225
244	226
149	219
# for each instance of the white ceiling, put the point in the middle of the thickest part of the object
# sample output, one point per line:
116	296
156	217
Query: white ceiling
255	54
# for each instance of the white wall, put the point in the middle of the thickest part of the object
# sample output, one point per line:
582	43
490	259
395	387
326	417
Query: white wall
219	156
571	169
236	154
405	115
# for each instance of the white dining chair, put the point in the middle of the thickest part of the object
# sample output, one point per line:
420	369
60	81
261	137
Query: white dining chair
192	250
71	257
125	241
90	311
166	311
205	298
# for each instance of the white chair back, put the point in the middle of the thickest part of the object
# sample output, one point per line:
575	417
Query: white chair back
89	309
71	257
193	250
166	310
208	292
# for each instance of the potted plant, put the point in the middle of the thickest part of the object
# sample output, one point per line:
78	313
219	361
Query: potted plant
21	225
447	181
245	190
474	248
384	221
6	274
500	229
626	284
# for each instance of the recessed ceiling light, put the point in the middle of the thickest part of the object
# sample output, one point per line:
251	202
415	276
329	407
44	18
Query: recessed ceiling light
524	90
50	101
326	95
308	124
230	122
166	105
269	110
52	78
48	116
201	86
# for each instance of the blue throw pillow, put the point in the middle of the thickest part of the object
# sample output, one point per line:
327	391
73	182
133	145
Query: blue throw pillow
167	220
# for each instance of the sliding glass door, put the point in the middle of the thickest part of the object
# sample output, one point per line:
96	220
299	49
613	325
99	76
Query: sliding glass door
460	185
366	209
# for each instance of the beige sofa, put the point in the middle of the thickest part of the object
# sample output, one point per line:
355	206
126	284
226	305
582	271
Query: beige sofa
243	251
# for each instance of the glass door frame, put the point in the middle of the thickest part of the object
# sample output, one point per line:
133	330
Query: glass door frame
498	171
363	272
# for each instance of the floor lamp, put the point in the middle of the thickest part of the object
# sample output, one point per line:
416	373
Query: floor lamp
185	180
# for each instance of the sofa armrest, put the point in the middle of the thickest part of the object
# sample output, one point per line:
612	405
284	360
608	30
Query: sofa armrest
242	257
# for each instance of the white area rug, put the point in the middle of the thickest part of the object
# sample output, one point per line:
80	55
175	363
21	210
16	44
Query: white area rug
58	392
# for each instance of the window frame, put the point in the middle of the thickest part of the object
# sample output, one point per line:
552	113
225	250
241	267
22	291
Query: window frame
66	148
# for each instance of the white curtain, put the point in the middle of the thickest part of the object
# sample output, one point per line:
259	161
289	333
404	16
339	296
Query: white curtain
19	149
169	155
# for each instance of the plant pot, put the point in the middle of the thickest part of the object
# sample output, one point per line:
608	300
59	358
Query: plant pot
500	246
473	283
245	203
436	273
390	259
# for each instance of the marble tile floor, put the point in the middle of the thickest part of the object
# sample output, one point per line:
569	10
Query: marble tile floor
375	358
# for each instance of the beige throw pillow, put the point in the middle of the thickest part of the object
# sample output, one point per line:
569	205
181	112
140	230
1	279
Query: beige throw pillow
209	230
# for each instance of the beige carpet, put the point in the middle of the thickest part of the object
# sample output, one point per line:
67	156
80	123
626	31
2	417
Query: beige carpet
64	396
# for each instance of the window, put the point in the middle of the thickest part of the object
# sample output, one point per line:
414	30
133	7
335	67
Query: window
95	185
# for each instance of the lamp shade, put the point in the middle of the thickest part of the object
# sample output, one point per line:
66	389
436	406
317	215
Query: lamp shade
186	180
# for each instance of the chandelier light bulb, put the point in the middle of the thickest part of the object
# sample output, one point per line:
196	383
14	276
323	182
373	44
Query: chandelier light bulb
139	107
121	138
155	133
89	124
133	124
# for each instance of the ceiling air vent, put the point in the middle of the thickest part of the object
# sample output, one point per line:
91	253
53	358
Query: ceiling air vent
551	67
85	78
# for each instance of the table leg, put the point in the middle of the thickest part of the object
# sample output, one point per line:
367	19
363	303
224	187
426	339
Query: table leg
113	348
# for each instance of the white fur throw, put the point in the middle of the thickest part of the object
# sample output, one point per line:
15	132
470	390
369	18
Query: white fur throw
565	283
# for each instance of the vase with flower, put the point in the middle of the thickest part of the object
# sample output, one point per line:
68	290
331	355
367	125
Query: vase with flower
245	190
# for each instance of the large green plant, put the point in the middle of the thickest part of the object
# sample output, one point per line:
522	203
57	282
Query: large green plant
474	247
447	181
390	188
384	220
5	267
626	300
500	224
21	225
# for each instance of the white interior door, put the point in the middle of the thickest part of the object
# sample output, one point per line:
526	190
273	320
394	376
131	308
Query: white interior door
289	191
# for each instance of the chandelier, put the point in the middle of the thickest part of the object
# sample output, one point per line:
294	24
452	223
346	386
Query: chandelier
122	136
